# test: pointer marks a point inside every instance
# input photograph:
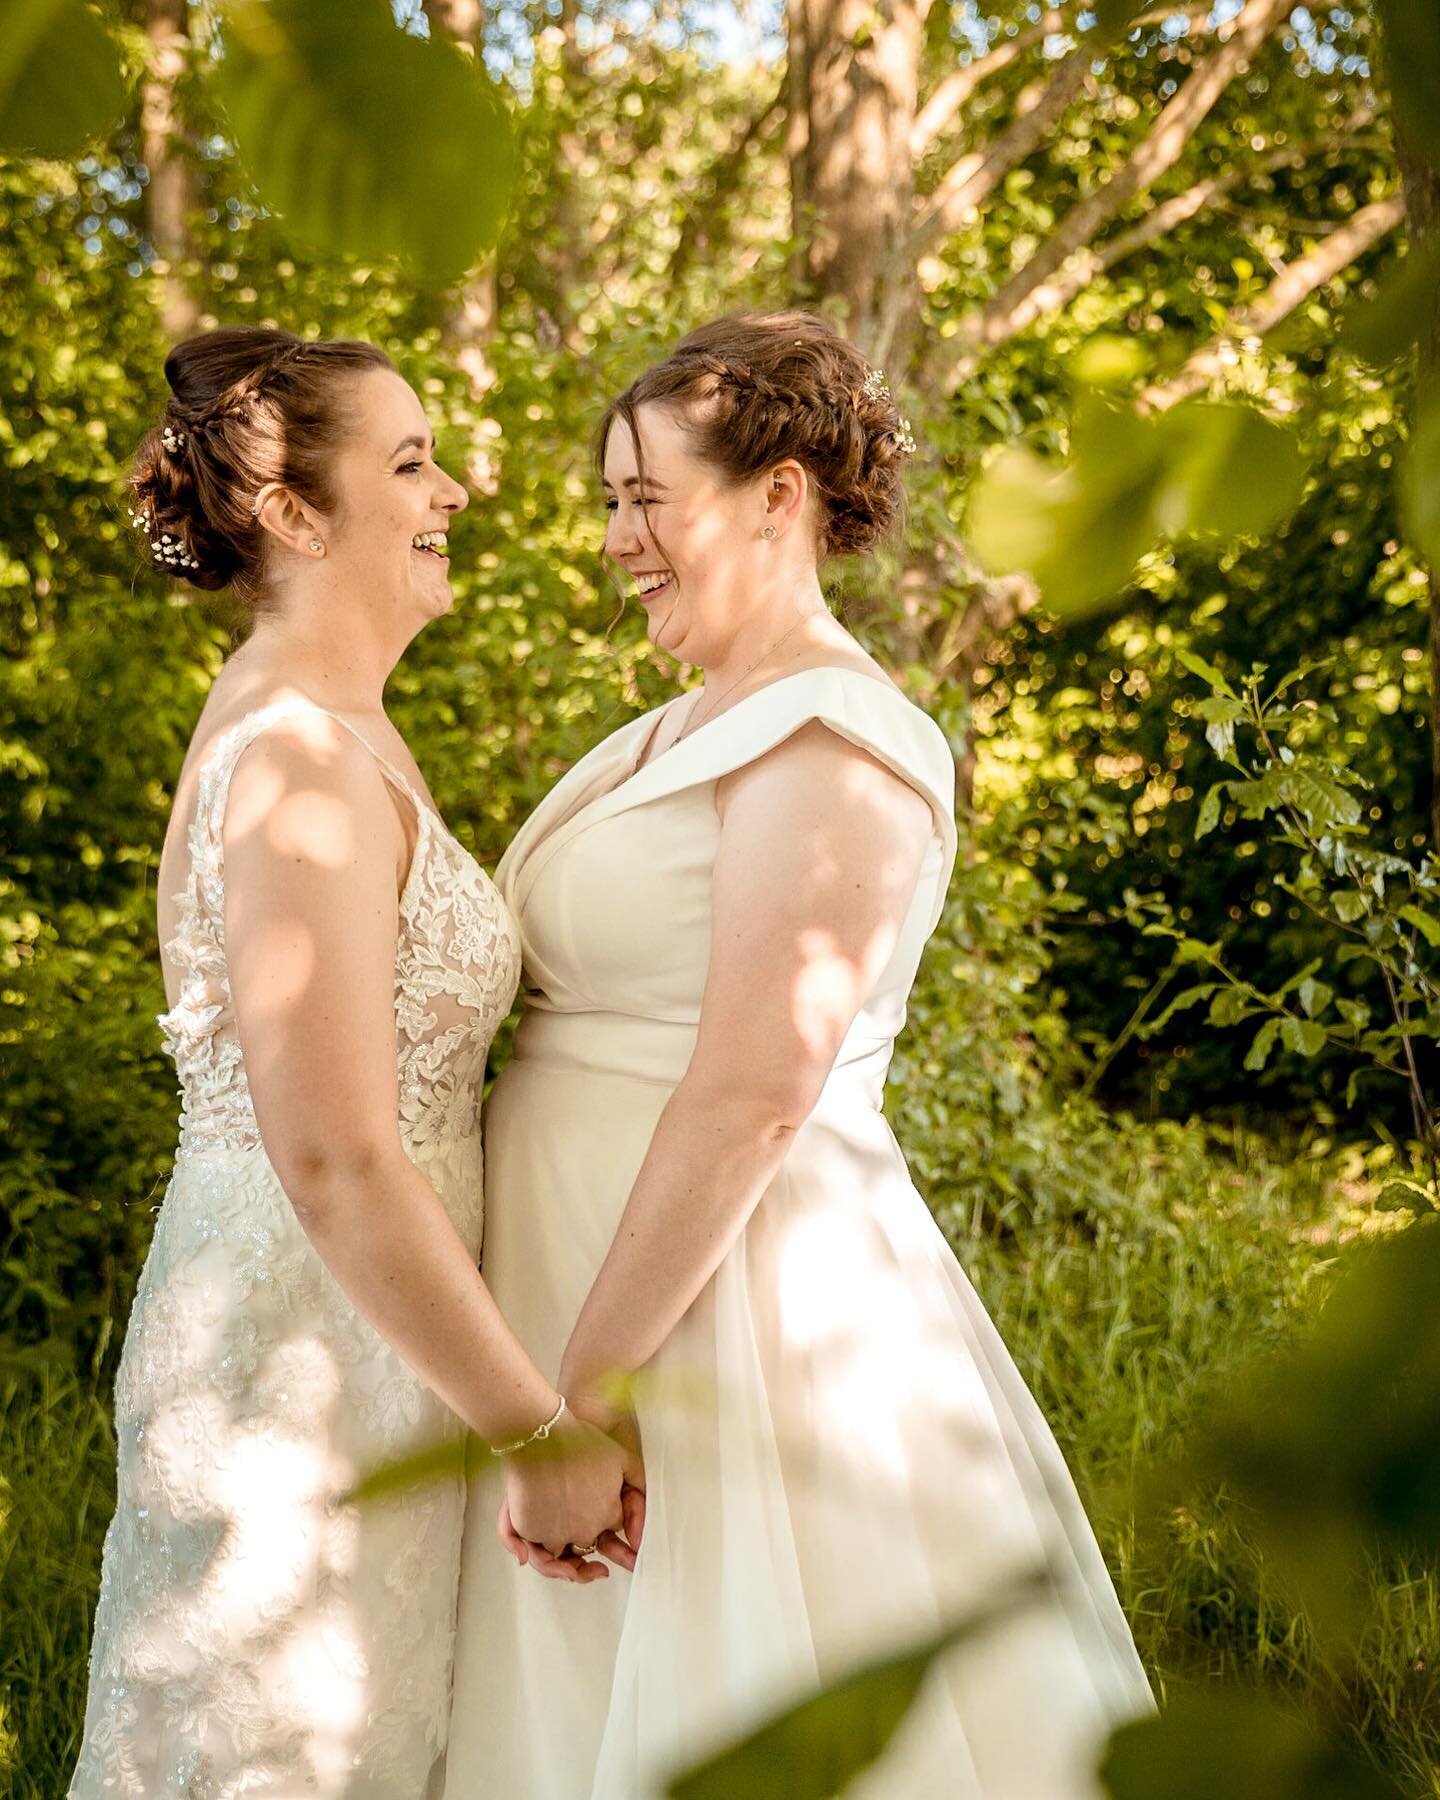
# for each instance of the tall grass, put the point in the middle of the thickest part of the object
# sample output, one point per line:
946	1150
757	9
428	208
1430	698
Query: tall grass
1119	1316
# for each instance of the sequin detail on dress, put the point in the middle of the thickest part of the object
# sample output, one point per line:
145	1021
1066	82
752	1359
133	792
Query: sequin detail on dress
254	1635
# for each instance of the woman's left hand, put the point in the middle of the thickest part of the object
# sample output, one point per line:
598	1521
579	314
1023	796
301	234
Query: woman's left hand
615	1547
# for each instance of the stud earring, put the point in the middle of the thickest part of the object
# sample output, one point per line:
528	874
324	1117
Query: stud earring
315	544
768	532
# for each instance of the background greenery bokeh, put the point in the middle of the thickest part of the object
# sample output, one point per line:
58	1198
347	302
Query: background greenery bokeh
1140	1212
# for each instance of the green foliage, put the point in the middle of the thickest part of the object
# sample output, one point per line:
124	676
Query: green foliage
61	84
303	86
1128	482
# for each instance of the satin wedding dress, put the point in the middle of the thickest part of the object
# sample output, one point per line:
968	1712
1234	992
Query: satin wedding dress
254	1636
840	1453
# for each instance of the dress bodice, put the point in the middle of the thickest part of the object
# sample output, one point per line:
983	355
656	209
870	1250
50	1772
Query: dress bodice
610	878
456	968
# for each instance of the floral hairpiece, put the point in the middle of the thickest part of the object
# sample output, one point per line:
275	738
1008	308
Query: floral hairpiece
172	440
166	550
876	387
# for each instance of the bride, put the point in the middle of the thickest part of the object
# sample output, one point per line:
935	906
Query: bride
688	1173
335	965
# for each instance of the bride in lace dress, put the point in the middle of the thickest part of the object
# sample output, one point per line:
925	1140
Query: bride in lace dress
336	965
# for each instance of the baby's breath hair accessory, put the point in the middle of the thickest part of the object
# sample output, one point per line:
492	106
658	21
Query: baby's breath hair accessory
876	387
168	552
172	440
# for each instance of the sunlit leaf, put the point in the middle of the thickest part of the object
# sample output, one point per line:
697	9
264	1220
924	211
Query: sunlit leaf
810	1751
1259	1052
1241	1746
369	141
1230	471
60	79
1425	923
1079	527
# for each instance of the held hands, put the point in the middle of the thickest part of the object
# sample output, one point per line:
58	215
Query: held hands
581	1488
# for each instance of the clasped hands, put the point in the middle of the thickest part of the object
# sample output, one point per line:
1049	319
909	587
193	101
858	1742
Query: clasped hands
583	1487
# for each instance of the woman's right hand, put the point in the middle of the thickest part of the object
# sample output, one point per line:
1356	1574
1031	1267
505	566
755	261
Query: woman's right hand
578	1487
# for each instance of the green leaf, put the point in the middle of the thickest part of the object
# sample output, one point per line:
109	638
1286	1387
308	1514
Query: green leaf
1242	1746
1210	810
814	1749
1259	1052
1207	672
60	79
1303	1036
1231	472
1231	1006
1425	923
1315	996
1349	906
369	141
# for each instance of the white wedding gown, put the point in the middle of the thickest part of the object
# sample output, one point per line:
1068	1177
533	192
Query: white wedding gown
840	1453
254	1636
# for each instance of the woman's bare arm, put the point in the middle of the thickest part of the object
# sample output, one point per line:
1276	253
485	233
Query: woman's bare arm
314	851
820	850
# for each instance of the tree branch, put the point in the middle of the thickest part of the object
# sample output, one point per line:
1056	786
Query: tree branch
976	175
723	179
1294	285
1158	151
955	90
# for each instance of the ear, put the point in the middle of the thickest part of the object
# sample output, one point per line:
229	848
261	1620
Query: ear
290	521
786	491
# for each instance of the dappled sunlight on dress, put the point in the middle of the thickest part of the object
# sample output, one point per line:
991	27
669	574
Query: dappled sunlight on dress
254	1636
840	1453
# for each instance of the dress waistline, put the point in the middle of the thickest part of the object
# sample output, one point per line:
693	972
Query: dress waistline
659	1050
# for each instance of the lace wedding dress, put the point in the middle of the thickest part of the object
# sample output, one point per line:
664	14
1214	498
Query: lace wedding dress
254	1635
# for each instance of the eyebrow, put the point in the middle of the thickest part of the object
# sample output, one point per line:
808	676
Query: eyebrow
651	481
412	443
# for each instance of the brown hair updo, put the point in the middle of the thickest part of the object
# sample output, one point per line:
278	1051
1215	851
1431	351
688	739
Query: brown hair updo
247	406
756	389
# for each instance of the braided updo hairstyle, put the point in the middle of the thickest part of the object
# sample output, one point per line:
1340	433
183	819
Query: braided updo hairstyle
756	389
247	406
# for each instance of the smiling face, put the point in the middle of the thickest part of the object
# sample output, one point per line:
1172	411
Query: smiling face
692	545
386	536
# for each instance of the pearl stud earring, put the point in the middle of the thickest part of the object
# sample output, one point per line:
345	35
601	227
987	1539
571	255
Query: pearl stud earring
316	545
768	532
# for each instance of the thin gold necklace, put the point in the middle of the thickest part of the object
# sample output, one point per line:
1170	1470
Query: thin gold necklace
693	723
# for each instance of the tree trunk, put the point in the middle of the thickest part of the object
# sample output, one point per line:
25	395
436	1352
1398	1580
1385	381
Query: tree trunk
171	189
854	82
470	317
1421	186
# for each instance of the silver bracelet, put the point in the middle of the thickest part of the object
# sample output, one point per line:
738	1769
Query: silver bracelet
540	1431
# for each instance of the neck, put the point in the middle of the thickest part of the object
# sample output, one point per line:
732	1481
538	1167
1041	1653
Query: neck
783	629
338	659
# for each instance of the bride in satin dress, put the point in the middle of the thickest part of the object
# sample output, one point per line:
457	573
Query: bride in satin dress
689	1175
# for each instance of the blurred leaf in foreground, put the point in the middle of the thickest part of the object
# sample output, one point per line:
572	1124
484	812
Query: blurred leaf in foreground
1222	1743
60	79
369	142
812	1750
1080	525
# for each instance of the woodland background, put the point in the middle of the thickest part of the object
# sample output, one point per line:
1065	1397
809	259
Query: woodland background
1159	294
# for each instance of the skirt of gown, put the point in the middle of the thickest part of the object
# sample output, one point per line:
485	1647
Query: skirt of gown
253	1635
840	1457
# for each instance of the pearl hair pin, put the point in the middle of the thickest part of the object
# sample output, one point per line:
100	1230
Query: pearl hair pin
172	440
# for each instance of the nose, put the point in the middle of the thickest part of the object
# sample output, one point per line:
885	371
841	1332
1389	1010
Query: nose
622	537
455	497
